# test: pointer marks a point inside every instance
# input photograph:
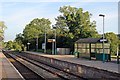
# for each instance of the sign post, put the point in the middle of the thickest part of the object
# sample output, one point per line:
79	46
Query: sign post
43	45
117	56
103	40
28	45
52	41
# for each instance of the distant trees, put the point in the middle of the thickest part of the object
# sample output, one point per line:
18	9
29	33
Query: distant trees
72	24
12	45
114	42
2	28
36	29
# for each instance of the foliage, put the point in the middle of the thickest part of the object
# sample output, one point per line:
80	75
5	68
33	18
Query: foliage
113	40
12	45
49	51
77	21
36	28
40	50
72	24
2	28
21	41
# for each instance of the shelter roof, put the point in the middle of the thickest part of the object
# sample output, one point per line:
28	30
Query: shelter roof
91	40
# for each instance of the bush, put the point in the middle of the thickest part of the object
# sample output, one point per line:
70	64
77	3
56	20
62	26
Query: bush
40	50
49	51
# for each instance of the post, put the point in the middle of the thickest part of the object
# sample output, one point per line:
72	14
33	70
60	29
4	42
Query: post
52	47
37	43
103	42
45	41
55	43
28	45
117	56
55	39
103	38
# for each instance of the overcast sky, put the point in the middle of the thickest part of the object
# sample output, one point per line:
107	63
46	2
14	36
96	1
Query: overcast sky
17	14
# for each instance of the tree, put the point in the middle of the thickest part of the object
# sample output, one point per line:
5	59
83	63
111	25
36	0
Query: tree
20	40
17	46
113	40
13	45
36	29
9	45
74	23
77	21
2	28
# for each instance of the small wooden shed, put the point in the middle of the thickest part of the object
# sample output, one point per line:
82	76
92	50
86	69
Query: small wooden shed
92	47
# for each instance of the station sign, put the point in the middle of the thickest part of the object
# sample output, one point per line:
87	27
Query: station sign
101	40
51	40
43	45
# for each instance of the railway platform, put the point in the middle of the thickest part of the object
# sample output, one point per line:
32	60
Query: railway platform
7	70
108	66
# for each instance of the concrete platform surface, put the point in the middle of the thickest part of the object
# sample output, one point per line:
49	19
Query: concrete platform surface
7	70
109	66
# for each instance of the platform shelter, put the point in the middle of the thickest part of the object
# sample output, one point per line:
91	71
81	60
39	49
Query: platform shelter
93	48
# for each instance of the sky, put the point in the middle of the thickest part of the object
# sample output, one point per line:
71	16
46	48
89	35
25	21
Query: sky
17	14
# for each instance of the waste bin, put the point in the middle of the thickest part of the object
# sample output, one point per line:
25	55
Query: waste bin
117	59
76	54
99	56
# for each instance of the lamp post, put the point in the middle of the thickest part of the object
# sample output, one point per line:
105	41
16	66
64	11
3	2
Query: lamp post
37	43
28	45
55	43
55	39
103	37
45	41
36	38
117	54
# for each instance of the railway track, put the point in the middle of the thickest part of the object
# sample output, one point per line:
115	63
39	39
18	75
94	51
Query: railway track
56	73
24	71
61	73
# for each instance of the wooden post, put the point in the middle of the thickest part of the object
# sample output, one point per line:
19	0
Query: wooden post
90	50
